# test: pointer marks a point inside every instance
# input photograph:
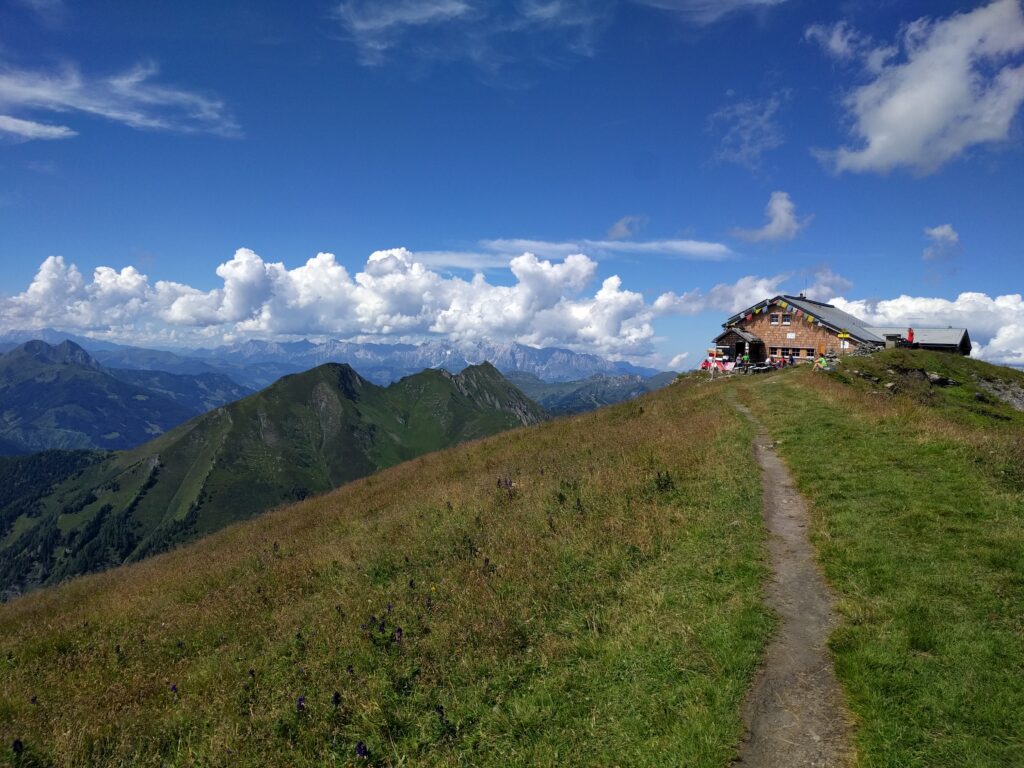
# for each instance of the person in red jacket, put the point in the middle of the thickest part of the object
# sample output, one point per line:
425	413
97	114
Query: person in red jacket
910	335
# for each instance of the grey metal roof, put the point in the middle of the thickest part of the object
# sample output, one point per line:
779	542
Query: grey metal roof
942	337
836	318
829	315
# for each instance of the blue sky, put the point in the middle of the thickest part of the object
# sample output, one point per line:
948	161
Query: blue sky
703	153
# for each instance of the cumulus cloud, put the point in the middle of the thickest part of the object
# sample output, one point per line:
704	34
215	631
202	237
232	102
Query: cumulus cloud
944	241
729	298
393	297
996	323
131	98
782	224
842	42
958	84
708	11
747	130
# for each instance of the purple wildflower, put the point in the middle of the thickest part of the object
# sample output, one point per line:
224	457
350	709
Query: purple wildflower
350	671
252	672
17	747
174	687
362	751
336	699
300	704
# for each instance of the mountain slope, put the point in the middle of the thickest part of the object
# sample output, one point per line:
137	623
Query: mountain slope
306	434
59	397
595	392
583	592
198	392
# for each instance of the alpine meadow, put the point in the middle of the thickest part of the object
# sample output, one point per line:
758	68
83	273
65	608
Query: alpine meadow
512	383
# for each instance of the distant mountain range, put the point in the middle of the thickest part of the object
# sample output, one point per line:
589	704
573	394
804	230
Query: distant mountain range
61	397
65	514
256	364
578	396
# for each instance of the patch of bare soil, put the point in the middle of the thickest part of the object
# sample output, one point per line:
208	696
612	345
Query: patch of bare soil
794	712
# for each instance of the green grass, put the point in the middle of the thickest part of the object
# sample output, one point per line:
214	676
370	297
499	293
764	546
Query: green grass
601	605
922	535
306	434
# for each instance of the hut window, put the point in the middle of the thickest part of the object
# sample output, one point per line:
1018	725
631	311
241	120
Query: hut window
773	319
787	319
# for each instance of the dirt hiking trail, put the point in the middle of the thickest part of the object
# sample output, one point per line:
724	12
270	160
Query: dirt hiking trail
794	713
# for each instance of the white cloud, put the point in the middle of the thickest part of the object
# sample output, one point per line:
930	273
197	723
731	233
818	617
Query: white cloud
958	84
678	361
708	11
944	240
687	249
498	253
747	129
130	98
393	297
490	35
377	27
730	298
627	226
782	224
27	130
844	43
996	324
826	284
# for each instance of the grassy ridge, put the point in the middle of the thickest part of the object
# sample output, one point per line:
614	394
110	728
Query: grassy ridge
920	528
306	434
585	592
